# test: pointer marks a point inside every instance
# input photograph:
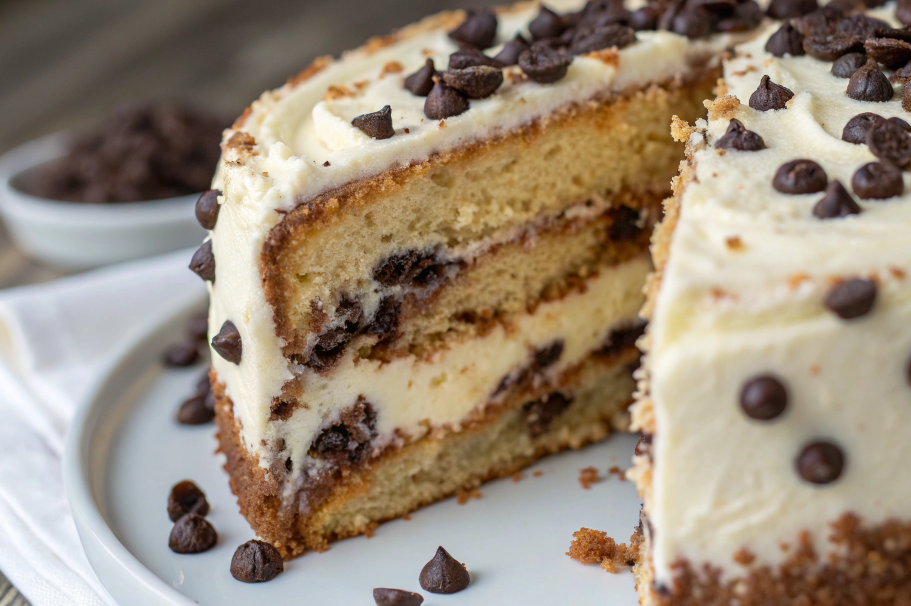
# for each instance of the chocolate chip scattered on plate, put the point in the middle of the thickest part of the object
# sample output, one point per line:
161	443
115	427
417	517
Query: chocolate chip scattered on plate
256	562
444	574
186	497
192	533
396	597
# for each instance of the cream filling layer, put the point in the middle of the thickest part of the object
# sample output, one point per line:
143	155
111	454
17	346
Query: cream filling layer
742	296
414	396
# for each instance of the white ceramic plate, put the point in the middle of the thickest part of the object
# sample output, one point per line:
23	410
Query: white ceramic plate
125	451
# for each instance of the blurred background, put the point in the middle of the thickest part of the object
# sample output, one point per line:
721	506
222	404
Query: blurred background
67	64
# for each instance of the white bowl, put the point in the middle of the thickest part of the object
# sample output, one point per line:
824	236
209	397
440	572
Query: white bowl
81	236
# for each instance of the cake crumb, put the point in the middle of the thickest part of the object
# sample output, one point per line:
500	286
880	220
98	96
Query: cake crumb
538	474
744	557
393	67
734	243
722	107
464	497
616	471
406	517
517	477
370	528
680	130
594	546
337	92
588	476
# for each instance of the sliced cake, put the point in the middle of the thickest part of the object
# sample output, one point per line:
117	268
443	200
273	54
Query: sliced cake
775	393
427	257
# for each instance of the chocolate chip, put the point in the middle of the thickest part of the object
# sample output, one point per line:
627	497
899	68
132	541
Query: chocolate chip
820	462
625	224
444	102
823	20
836	203
800	177
763	398
890	52
846	65
791	9
549	354
203	262
377	125
207	208
692	21
770	96
831	46
786	41
906	95
610	36
738	137
540	413
186	497
890	142
543	64
547	24
877	181
181	355
385	322
862	26
903	12
855	130
479	29
852	298
421	81
192	533
204	385
869	84
645	18
227	342
475	82
621	338
396	597
746	16
195	411
443	574
471	57
509	54
198	328
256	562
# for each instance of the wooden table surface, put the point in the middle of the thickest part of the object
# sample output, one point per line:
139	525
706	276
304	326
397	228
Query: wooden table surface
66	64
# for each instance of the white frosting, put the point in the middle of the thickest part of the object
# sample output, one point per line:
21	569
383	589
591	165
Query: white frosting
728	312
298	129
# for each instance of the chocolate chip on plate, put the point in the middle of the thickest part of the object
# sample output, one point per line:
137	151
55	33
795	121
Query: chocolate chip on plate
543	64
509	54
547	24
738	137
198	328
203	262
444	102
377	125
786	41
444	574
763	398
877	181
820	462
852	298
421	82
836	203
846	65
227	342
869	84
475	82
469	57
186	497
256	562
181	355
791	9
192	533
890	141
396	597
855	130
478	30
613	35
195	411
770	96
800	177
207	208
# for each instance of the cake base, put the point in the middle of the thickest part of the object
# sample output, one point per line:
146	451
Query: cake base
444	463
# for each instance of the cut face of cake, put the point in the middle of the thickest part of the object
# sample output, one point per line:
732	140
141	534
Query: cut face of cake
421	279
775	391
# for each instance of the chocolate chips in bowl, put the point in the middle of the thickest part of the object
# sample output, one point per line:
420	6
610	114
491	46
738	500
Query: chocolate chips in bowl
124	190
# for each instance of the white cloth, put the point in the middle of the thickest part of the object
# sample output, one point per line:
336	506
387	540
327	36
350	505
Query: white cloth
55	339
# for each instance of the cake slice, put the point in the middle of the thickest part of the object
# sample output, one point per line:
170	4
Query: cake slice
421	279
775	393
